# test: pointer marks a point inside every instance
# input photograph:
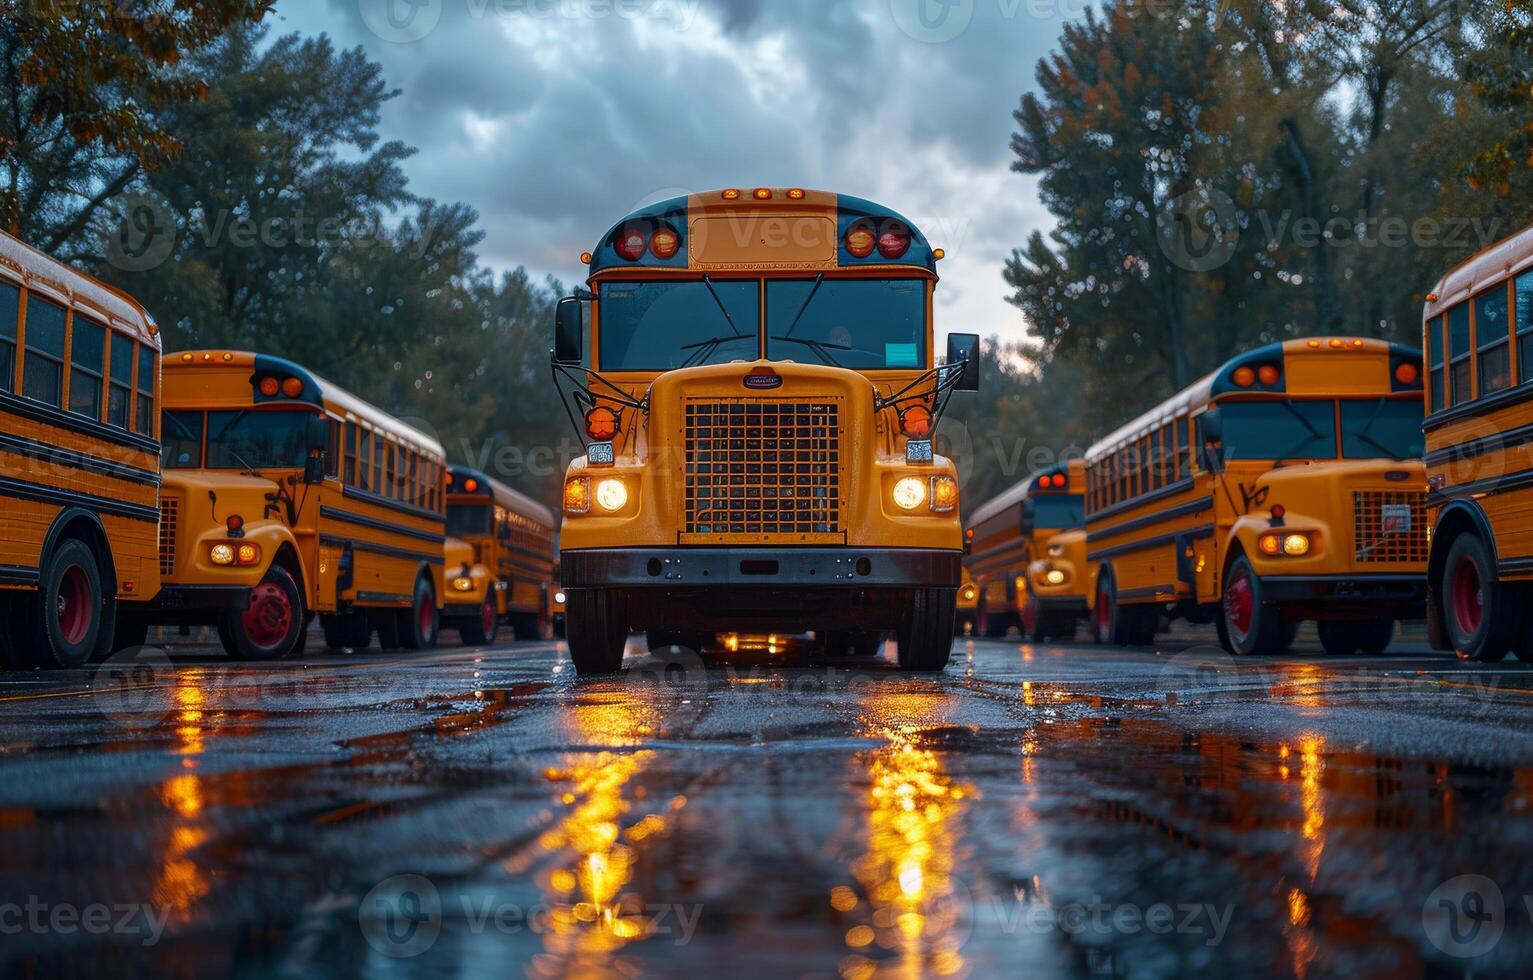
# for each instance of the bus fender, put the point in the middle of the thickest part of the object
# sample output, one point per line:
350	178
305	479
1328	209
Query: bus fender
98	541
1454	519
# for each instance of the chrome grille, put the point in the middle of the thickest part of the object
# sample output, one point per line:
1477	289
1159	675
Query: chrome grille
763	467
170	509
1390	526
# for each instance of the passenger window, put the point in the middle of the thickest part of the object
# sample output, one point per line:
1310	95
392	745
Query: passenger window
350	475
119	392
10	312
146	364
1524	290
1491	331
1439	380
1458	353
44	371
87	356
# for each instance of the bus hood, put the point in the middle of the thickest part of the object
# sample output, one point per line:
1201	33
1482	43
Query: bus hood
223	492
1301	478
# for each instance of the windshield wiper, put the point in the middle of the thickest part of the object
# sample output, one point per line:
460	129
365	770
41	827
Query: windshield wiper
704	348
1362	433
820	347
1314	433
807	300
249	470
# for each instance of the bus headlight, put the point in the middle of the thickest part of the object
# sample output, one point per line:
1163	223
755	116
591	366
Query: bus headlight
247	554
909	492
611	494
463	583
944	494
1054	577
577	495
222	554
559	598
1293	545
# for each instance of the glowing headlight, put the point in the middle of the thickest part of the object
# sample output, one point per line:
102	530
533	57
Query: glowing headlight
909	493
1055	577
559	597
222	554
611	494
968	593
1295	545
248	554
463	584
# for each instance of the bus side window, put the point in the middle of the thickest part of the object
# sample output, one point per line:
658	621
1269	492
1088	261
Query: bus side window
1458	353
147	361
1491	330
88	357
1524	321
333	463
120	391
43	377
1183	464
376	476
10	312
349	476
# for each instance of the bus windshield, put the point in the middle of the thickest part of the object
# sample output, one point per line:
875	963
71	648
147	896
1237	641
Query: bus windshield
1283	430
1063	512
851	323
657	326
257	440
466	520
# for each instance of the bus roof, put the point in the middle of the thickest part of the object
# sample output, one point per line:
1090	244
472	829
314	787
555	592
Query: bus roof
1499	262
1219	382
715	232
1019	491
316	391
41	272
503	495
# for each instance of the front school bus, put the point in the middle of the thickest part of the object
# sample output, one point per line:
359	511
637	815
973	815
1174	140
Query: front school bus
757	389
286	496
1287	485
1008	533
1478	326
512	537
79	461
1062	583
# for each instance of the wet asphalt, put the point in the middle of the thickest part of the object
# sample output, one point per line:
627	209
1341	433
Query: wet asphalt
1034	810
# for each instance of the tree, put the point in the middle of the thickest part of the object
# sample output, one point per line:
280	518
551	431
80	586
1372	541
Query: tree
87	83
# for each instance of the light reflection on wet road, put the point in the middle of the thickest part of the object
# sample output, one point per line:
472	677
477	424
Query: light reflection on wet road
1059	810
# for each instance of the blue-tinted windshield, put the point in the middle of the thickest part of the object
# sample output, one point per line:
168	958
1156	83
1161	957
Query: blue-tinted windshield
657	326
853	323
1381	429
1065	511
1279	430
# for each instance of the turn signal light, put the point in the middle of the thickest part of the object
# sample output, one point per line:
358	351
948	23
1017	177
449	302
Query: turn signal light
944	491
1244	377
269	386
860	241
470	485
665	242
577	495
292	387
601	424
1290	545
1267	374
895	240
463	584
916	422
247	554
1407	373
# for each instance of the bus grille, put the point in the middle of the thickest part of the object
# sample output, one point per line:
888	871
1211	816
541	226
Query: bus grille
1390	526
759	467
170	508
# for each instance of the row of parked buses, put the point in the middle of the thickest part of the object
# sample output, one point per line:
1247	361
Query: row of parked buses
1339	480
228	489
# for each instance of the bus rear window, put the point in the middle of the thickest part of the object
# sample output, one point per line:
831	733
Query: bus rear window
468	519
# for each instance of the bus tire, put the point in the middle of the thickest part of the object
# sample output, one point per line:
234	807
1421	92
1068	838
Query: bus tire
345	631
480	631
863	644
926	635
419	630
272	626
61	623
1338	638
1248	626
596	628
1113	623
1477	608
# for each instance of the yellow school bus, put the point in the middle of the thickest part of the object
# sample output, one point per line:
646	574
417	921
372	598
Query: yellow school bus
79	460
757	398
512	537
1287	485
285	497
1007	534
1478	325
1062	583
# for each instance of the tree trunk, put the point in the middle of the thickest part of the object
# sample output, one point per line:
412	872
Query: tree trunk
1327	309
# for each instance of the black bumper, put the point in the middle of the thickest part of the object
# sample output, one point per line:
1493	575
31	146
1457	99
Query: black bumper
186	598
1073	606
461	610
1403	596
770	568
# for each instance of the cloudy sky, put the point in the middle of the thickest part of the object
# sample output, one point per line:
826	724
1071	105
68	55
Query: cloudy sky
553	118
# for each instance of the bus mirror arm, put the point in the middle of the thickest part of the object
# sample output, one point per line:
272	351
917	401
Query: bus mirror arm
572	381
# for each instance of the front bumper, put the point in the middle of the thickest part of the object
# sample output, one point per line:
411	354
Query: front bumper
193	605
462	610
725	567
1401	596
1066	605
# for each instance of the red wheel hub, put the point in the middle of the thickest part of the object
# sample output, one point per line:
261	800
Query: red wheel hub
1030	613
1468	597
74	605
426	610
1240	603
1104	612
269	617
487	617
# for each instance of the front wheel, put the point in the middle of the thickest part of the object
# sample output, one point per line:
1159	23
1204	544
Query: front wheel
271	627
1477	608
596	625
1249	626
926	635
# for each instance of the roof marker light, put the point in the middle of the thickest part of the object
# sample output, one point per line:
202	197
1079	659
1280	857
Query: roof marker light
762	194
731	195
796	194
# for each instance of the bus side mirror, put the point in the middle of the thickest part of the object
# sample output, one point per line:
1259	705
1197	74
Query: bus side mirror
569	331
319	446
1211	441
964	347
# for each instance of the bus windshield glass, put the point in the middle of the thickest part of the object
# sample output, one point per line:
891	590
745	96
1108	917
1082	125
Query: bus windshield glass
1375	428
1063	512
657	326
257	440
867	324
468	520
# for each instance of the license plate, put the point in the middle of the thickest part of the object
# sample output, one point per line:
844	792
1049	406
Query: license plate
1396	518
